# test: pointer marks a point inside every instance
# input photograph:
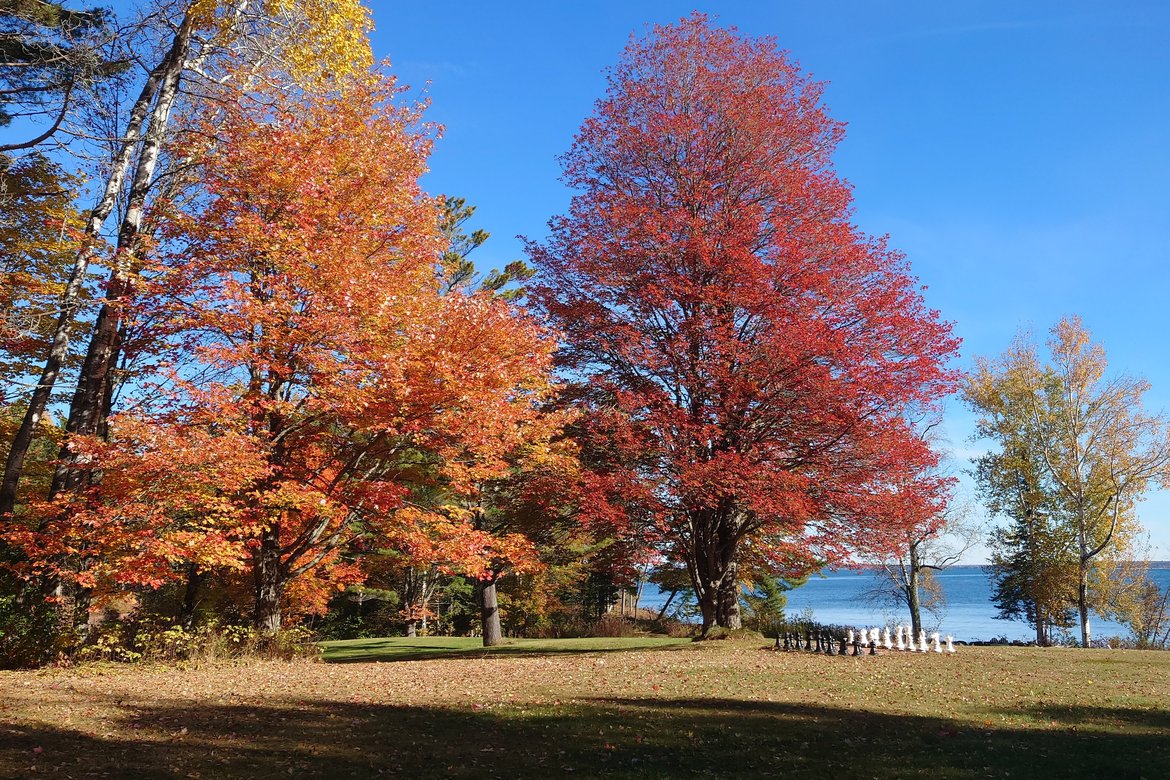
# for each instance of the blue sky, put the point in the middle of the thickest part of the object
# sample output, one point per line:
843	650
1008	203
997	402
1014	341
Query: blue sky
1019	153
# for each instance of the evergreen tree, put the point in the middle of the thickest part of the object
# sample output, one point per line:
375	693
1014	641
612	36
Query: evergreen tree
46	52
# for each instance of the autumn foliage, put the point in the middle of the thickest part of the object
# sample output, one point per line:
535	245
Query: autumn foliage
752	359
296	380
304	355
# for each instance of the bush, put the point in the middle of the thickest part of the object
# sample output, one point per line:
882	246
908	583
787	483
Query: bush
612	626
28	633
360	613
154	639
670	626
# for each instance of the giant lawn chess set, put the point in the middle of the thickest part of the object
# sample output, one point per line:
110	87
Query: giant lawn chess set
817	639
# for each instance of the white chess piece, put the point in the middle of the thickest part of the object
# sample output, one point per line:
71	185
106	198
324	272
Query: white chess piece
950	644
910	642
922	646
934	645
901	640
889	643
849	637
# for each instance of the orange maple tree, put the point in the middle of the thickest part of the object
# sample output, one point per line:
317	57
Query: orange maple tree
304	353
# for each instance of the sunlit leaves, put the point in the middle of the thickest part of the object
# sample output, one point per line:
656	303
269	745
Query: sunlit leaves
752	360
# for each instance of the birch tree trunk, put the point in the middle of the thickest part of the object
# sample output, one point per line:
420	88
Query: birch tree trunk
71	295
86	412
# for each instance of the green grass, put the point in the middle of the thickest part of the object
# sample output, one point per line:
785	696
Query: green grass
418	648
623	708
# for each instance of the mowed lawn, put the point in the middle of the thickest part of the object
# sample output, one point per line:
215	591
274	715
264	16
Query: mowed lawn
592	708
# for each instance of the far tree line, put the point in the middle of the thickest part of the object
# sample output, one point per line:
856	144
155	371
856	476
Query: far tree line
252	375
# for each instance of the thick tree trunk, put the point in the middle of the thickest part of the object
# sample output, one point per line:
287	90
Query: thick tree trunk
727	614
708	608
269	582
71	295
712	568
493	633
86	412
412	628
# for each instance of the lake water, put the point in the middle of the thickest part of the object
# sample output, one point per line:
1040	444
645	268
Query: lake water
841	597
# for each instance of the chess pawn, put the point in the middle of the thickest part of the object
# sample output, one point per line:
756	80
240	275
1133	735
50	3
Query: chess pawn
901	639
950	644
849	637
934	645
886	641
844	648
910	642
922	646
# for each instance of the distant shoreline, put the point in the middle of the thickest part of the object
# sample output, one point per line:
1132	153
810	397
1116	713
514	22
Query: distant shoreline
1159	564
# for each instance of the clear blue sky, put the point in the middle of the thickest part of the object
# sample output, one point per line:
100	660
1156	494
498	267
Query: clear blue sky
1019	153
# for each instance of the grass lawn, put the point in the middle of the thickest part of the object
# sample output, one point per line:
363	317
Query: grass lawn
592	708
414	649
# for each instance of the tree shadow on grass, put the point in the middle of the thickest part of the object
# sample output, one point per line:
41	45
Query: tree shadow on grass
630	738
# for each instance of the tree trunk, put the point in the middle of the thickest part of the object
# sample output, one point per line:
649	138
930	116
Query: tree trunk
708	607
1041	630
1083	603
493	633
86	412
711	565
269	581
70	296
195	580
727	614
913	594
412	628
666	604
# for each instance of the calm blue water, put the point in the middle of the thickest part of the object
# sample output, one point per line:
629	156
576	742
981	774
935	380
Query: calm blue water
841	597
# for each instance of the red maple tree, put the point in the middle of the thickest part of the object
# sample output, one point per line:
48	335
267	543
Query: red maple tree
753	360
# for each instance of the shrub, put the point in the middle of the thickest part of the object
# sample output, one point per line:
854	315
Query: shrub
612	626
28	632
150	638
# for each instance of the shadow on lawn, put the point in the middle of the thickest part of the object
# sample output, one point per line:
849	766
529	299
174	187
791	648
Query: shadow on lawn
642	738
